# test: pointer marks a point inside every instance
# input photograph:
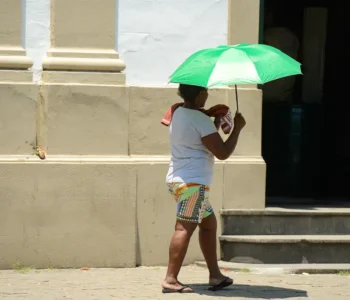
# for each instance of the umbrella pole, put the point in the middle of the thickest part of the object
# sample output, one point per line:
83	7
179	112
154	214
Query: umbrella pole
236	98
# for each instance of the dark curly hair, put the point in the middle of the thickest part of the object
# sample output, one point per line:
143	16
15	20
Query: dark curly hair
189	93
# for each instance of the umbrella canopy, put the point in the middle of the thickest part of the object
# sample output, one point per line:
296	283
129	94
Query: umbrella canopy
235	64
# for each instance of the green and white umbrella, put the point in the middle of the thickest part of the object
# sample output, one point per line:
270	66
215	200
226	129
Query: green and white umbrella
235	64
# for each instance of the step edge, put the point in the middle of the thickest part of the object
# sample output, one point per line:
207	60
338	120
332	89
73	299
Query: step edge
277	269
286	239
289	212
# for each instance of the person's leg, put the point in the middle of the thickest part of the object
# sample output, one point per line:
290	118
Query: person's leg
177	251
208	243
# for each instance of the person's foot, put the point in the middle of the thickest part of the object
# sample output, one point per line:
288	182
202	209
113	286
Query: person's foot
219	282
175	287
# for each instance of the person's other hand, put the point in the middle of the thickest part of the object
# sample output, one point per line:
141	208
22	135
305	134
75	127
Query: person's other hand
239	121
217	120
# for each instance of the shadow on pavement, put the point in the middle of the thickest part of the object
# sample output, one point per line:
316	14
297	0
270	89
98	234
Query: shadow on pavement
250	291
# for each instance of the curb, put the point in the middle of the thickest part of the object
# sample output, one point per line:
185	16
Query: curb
281	269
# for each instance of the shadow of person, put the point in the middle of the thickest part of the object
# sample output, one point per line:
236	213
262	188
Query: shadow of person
251	292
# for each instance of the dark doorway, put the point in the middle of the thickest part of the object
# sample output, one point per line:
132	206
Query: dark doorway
305	124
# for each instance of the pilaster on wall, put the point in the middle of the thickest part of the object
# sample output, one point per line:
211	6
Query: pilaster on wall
17	92
84	101
12	54
243	21
245	173
83	39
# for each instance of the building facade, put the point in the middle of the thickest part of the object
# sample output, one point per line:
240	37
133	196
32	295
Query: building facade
87	82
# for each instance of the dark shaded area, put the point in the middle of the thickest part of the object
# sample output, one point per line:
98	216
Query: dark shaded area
307	146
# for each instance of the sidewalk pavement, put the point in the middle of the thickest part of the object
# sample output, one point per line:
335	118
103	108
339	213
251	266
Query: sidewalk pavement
144	283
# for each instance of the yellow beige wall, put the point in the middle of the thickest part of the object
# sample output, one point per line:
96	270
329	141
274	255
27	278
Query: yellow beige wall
99	198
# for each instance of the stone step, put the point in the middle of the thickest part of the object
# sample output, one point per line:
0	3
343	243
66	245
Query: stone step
285	249
286	221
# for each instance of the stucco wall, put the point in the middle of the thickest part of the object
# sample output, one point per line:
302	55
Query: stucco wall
152	36
156	36
99	198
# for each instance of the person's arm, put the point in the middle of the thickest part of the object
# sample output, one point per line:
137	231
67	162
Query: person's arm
220	149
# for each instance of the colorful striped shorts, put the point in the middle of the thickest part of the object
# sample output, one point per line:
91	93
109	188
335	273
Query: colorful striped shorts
192	201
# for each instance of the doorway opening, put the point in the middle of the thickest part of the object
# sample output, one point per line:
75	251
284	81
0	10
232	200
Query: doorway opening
305	139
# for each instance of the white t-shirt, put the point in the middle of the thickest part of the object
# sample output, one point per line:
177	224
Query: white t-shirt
191	161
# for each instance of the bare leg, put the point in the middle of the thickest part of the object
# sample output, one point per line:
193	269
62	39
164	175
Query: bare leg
208	241
177	251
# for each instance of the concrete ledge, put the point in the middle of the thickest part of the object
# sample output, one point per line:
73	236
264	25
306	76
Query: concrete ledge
281	268
94	211
81	78
154	159
15	62
83	64
286	211
16	76
290	239
67	215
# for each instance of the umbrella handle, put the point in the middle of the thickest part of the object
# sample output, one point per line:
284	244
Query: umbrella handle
237	99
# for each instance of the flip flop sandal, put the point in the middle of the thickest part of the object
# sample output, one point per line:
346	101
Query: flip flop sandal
225	283
180	290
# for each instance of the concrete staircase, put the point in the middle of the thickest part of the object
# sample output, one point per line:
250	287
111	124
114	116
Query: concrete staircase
286	236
